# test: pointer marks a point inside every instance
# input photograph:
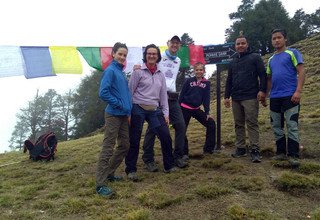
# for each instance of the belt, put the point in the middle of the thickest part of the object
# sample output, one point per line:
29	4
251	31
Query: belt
148	107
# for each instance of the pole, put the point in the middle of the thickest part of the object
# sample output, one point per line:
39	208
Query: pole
219	69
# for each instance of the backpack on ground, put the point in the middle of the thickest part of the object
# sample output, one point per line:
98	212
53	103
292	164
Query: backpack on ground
44	148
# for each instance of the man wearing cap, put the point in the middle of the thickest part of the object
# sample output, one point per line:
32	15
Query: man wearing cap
169	66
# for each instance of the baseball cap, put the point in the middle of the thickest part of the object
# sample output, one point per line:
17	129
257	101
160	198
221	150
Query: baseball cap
175	37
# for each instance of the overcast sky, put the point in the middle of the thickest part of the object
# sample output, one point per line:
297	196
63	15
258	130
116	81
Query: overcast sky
102	23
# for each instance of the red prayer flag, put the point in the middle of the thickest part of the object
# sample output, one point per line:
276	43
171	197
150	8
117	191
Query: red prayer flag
106	57
196	54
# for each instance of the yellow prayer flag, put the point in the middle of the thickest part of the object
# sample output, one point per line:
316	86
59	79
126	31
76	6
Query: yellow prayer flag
163	48
65	60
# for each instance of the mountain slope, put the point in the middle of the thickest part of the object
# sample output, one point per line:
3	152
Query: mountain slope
212	187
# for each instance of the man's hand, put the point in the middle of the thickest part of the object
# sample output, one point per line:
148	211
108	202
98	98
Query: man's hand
208	116
136	67
296	97
226	103
264	103
261	96
166	118
129	120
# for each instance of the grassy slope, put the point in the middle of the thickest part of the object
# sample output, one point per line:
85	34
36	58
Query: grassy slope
214	187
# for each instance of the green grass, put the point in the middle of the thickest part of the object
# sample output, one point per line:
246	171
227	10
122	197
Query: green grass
212	187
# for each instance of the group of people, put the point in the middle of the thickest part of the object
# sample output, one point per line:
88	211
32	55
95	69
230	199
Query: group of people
249	82
151	96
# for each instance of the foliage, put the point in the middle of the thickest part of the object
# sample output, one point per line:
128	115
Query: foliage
88	109
212	191
49	107
18	136
290	182
65	106
31	116
257	21
47	112
184	72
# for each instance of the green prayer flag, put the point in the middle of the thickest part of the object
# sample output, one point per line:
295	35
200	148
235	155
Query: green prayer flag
92	56
183	54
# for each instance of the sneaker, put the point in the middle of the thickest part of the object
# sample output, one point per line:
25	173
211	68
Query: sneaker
240	152
280	157
104	191
113	178
171	170
151	167
294	162
185	158
255	156
133	176
180	163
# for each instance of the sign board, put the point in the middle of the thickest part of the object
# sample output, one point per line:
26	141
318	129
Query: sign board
219	54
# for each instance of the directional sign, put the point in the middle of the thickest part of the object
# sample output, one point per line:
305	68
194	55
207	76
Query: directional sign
219	54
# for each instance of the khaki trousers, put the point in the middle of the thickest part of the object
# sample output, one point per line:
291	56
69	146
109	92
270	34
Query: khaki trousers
245	112
116	128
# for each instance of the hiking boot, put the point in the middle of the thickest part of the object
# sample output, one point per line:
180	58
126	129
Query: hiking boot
104	191
294	162
185	158
133	177
151	167
280	157
240	152
113	178
181	163
255	156
171	170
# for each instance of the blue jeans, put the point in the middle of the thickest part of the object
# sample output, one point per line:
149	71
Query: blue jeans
177	121
158	125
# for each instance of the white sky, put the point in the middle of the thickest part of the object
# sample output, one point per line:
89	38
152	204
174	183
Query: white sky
102	23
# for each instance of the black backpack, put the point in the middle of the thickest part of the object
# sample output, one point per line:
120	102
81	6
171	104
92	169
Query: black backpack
44	148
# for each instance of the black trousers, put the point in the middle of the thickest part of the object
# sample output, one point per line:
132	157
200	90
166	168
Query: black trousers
210	125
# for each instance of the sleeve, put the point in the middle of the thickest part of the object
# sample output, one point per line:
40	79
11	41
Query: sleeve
262	74
105	91
206	98
134	81
183	91
227	91
164	97
269	72
298	56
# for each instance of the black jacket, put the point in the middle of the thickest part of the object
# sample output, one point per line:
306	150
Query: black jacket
246	77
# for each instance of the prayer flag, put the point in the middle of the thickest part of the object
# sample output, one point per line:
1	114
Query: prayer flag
106	57
92	56
65	60
38	62
134	57
196	54
184	54
163	48
11	61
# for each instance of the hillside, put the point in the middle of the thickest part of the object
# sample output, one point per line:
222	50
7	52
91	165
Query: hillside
212	187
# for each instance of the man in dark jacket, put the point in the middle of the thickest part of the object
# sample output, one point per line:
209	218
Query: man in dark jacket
246	84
